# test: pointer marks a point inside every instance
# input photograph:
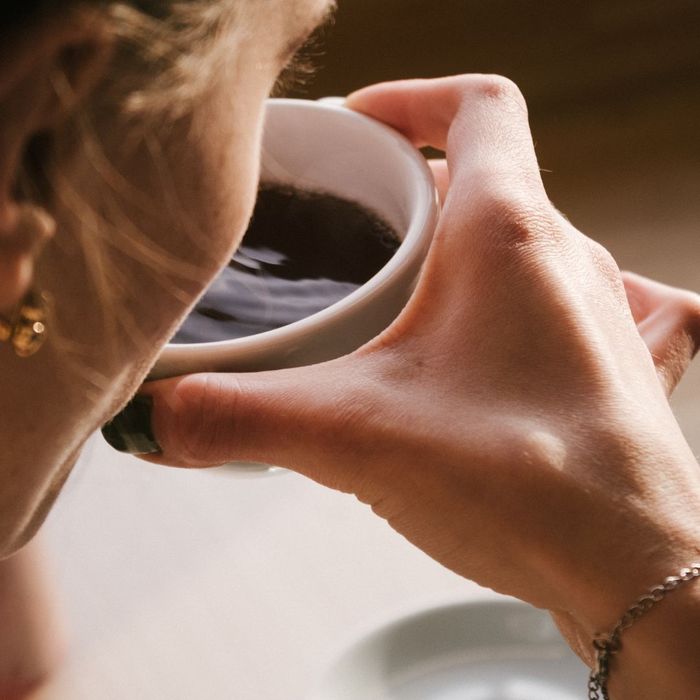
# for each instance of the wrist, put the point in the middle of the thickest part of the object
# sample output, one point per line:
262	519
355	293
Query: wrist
659	654
613	585
628	537
651	645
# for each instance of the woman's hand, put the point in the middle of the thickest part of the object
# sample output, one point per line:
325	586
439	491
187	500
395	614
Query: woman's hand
513	421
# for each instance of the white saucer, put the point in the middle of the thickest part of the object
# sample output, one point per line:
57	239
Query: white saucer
498	650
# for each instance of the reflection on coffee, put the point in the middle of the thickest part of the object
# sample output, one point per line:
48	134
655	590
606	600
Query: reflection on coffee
302	252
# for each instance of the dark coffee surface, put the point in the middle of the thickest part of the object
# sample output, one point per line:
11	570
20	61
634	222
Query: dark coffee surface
302	252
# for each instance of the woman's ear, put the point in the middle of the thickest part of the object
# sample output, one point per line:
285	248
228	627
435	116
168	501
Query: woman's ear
48	68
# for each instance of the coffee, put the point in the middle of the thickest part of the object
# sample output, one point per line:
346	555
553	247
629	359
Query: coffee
302	252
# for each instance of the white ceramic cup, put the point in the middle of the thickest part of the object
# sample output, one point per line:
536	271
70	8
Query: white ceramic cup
323	146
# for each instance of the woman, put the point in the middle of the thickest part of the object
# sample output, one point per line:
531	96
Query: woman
129	138
512	423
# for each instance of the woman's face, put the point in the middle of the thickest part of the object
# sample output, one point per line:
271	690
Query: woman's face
189	192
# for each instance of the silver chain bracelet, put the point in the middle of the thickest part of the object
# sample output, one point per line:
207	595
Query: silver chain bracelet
607	646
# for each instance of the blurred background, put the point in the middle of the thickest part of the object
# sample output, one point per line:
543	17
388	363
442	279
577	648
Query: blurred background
201	586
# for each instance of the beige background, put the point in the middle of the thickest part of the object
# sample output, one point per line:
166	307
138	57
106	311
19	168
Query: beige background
187	586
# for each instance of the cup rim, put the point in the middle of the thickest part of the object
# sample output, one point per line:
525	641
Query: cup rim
420	229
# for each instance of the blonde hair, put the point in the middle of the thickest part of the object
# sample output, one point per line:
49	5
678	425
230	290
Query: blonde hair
167	55
183	46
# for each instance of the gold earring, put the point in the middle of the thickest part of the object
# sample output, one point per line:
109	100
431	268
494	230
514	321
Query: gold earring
27	330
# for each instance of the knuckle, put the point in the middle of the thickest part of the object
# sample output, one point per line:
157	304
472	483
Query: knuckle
501	88
202	416
605	263
356	411
515	220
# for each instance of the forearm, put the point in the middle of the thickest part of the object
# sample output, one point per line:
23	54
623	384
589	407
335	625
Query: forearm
31	638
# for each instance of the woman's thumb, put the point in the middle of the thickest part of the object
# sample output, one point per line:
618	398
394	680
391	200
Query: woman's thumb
287	417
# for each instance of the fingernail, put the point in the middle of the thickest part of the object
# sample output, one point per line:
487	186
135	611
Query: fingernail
130	431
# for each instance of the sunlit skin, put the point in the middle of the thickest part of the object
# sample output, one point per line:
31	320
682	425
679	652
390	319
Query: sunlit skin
513	422
48	409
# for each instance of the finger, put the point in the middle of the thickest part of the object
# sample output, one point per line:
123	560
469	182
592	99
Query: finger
297	418
479	120
441	174
668	320
497	222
